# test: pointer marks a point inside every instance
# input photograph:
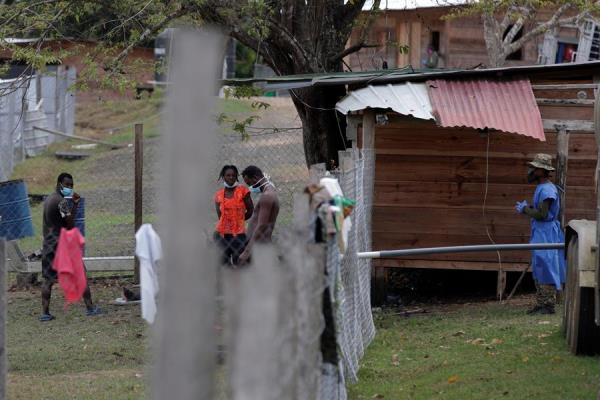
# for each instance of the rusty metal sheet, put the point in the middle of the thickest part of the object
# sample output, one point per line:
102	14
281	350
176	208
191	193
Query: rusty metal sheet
504	105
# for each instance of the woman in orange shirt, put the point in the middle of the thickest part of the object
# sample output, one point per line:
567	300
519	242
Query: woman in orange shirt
234	206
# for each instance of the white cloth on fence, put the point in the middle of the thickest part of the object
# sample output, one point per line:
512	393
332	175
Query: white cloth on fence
148	249
333	187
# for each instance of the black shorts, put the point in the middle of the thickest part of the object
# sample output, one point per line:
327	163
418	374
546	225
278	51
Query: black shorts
231	247
48	252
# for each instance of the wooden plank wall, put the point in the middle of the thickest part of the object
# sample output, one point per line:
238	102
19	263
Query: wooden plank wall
430	183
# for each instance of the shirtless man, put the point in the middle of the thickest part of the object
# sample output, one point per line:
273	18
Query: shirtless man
263	220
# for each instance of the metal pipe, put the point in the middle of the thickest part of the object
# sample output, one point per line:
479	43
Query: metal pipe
460	249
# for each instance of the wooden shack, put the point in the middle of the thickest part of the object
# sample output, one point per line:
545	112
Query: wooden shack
446	186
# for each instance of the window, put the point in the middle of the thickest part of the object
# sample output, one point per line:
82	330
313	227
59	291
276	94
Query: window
565	52
517	55
435	41
588	48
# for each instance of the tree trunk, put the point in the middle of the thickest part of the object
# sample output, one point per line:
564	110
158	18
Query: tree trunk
493	41
323	128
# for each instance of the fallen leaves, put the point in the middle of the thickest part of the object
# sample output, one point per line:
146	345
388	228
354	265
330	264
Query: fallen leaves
496	342
453	379
477	341
395	360
459	333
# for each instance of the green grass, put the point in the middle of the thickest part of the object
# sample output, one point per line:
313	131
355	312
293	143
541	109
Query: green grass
472	351
74	356
233	106
477	351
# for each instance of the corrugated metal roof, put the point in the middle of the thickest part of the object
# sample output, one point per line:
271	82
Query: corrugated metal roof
507	105
407	74
412	4
405	98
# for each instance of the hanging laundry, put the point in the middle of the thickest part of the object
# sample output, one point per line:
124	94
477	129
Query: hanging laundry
341	209
148	249
68	263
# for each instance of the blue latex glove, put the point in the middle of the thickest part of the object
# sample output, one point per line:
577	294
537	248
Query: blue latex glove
521	206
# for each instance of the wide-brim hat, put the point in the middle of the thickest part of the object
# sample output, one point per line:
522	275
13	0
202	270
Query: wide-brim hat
543	161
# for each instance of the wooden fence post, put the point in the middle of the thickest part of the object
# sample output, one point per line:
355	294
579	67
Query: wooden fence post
3	303
597	135
562	160
138	188
379	279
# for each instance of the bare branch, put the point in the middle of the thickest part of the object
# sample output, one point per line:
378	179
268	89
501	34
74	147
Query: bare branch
366	28
351	10
352	49
514	30
542	28
146	34
503	26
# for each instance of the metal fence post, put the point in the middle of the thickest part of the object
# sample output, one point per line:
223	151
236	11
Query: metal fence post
138	189
185	342
3	367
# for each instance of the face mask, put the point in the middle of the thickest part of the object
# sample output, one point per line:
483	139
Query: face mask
228	186
531	175
256	189
66	192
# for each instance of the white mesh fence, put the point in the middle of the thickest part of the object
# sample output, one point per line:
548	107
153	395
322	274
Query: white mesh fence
350	277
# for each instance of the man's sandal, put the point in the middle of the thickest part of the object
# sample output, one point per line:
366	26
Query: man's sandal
46	317
93	311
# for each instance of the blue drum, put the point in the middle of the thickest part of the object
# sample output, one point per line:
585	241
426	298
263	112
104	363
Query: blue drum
15	213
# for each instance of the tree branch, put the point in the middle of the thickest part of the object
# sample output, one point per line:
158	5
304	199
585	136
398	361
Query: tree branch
147	33
542	28
352	49
354	8
279	33
512	33
503	26
350	11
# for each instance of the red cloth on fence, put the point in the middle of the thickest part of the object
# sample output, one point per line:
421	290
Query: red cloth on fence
68	263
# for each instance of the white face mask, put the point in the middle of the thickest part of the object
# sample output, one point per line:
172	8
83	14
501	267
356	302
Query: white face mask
228	186
256	189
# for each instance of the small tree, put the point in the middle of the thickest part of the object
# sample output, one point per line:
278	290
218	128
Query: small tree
504	19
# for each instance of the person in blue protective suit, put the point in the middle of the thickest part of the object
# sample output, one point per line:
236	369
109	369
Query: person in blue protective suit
548	266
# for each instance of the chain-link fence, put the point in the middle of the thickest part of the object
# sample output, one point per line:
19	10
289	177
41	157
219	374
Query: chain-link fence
349	278
280	155
287	352
103	176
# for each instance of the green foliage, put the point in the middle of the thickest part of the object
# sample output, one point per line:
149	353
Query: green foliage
511	7
256	20
402	48
241	125
245	59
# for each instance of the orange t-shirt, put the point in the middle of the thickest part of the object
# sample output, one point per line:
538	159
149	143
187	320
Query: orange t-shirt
233	210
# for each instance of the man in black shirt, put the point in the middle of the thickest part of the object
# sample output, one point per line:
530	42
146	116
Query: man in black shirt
59	213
